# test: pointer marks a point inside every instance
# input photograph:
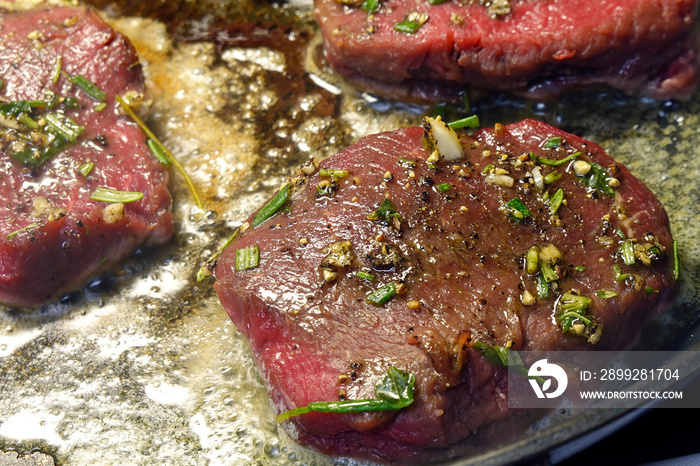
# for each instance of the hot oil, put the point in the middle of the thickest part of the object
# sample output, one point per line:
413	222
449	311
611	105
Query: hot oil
143	366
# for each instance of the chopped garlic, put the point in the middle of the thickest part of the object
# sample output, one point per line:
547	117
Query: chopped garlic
550	254
443	138
527	298
506	181
581	167
537	178
113	212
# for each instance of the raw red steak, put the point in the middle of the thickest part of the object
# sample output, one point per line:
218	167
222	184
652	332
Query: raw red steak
52	235
539	48
456	256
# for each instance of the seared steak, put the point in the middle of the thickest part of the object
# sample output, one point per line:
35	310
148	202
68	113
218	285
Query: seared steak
389	256
62	138
535	48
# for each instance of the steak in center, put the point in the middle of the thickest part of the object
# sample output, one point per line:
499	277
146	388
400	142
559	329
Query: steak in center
391	255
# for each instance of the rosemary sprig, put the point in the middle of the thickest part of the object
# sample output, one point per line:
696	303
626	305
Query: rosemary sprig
173	160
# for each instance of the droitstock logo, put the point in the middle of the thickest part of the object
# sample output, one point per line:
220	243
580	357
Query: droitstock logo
543	372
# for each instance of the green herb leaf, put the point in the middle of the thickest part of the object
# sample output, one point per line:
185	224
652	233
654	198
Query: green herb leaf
86	168
71	102
553	142
394	392
552	162
502	356
575	303
606	294
487	169
158	152
88	87
573	317
547	272
18	107
370	6
676	261
443	187
494	354
58	131
247	258
63	125
620	276
396	389
27	121
365	275
542	287
207	267
517	210
112	195
627	252
56	70
273	206
385	213
555	201
551	177
382	295
467	122
412	23
599	179
20	230
178	166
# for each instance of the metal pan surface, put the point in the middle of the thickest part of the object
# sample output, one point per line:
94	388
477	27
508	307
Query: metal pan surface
144	367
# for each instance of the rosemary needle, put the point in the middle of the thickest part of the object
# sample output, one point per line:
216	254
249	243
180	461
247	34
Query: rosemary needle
172	159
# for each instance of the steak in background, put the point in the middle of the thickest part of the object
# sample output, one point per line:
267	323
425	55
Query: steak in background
52	236
454	243
537	48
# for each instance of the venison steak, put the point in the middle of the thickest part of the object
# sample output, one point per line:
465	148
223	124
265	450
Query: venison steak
62	139
532	48
395	253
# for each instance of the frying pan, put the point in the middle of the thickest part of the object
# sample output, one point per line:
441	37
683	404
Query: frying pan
143	366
